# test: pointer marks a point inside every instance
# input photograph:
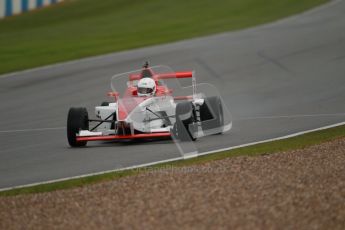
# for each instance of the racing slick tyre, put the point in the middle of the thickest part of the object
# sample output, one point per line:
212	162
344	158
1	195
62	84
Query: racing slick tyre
184	128
78	119
105	103
211	116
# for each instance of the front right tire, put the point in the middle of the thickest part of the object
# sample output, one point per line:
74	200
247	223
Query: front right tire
184	128
78	119
212	116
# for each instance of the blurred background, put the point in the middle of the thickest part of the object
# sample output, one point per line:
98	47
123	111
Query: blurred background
15	7
53	31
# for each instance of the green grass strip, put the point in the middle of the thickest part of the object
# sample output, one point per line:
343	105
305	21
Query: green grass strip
82	28
293	143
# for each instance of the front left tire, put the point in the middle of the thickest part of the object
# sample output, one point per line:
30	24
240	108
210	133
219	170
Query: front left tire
78	119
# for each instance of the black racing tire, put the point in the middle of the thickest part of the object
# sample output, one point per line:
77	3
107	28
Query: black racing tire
184	127
212	116
105	103
78	119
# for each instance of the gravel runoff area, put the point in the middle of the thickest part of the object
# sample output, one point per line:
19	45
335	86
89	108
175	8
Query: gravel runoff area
301	189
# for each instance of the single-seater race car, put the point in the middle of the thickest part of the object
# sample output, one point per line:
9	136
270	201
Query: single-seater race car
149	103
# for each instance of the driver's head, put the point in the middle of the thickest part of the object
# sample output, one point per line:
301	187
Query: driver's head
146	87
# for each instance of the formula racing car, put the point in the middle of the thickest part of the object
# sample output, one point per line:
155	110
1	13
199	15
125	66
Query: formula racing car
150	103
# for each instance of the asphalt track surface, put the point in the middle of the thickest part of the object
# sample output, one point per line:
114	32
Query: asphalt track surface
276	79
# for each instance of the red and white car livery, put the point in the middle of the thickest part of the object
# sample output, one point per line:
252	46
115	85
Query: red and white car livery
175	110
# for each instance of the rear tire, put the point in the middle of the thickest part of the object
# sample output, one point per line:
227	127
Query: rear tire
211	116
78	119
184	128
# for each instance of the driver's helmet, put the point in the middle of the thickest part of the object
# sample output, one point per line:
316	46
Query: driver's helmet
146	87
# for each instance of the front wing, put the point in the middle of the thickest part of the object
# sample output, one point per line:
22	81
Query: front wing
123	137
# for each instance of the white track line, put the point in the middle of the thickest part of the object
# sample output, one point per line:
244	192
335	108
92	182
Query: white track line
177	158
294	116
275	139
31	130
238	119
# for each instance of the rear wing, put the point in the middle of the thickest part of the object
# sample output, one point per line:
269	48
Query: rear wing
161	76
172	75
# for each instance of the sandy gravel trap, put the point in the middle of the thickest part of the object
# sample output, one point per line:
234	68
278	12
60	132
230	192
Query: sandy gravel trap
303	189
